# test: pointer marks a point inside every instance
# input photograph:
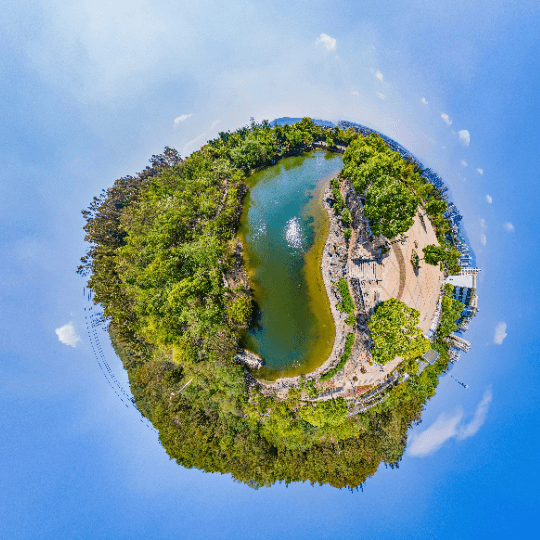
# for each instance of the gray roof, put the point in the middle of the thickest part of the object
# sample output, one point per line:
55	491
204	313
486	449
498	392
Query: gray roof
431	356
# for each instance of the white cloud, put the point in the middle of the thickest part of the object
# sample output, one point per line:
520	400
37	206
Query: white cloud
464	137
431	439
489	199
480	171
214	124
508	226
500	333
182	118
355	93
446	118
464	163
447	427
424	101
191	143
380	96
483	227
68	335
479	418
379	75
327	41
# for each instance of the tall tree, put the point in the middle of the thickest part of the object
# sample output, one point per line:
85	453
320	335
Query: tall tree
390	207
395	332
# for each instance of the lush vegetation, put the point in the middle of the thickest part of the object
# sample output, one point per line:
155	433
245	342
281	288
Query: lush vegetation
165	264
349	342
442	254
395	332
392	188
451	312
346	217
347	303
339	201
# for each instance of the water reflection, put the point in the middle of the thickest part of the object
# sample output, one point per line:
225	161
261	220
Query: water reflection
294	234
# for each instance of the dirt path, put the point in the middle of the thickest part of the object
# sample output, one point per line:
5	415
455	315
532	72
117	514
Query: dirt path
402	270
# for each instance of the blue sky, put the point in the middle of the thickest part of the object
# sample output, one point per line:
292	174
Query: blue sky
90	90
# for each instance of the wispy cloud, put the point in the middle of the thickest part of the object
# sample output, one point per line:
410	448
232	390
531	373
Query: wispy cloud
355	93
464	137
483	227
431	439
446	118
479	418
379	75
380	96
480	171
214	124
464	163
424	101
451	426
329	42
182	118
500	333
191	143
508	227
68	335
489	199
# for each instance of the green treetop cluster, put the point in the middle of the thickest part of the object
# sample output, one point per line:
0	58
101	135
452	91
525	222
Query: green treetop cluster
443	254
395	332
392	188
164	264
451	312
347	303
349	342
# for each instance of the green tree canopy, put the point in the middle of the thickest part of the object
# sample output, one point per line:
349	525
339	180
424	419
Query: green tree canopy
369	164
451	312
346	217
435	254
390	207
395	332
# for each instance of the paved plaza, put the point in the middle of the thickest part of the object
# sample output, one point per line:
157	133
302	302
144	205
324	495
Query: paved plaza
393	276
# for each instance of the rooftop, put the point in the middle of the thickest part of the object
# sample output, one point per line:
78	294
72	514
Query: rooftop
431	356
461	281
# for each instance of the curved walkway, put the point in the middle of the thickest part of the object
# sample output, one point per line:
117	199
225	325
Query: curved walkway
402	270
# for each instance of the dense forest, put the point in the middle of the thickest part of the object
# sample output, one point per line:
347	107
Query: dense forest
165	263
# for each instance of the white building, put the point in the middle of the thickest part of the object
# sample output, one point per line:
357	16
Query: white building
460	343
464	285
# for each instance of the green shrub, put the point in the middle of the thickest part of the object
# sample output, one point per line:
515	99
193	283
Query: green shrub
346	305
312	392
339	203
346	217
349	342
451	312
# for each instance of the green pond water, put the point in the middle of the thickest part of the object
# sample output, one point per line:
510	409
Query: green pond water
284	227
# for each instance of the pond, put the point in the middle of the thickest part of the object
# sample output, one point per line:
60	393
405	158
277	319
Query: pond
284	228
